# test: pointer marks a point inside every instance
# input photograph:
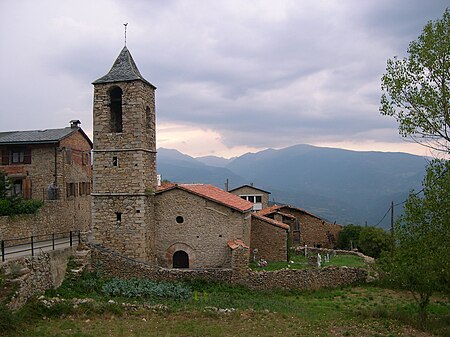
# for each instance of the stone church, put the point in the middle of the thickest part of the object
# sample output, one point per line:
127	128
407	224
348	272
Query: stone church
174	225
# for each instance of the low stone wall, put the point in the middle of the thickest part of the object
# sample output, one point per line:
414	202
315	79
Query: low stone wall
34	275
303	279
114	264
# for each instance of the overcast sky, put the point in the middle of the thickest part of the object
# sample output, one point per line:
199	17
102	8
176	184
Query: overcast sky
232	76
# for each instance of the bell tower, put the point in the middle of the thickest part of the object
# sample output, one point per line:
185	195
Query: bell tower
124	166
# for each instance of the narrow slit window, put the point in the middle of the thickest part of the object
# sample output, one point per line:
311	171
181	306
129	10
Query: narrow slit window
118	216
115	161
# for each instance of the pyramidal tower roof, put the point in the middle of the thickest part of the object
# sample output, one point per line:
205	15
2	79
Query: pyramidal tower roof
124	69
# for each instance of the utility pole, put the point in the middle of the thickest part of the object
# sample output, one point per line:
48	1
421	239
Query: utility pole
392	216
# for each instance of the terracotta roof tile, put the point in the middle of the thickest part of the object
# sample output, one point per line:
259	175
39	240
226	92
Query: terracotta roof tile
269	210
233	244
165	186
212	193
278	208
271	221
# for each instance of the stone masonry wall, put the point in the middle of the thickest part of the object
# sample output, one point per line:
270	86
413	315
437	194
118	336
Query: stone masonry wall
270	240
124	170
114	264
314	231
129	235
56	216
134	147
40	172
37	274
206	228
303	279
239	264
75	170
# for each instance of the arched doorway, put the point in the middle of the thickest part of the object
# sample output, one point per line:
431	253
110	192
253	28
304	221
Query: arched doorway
180	259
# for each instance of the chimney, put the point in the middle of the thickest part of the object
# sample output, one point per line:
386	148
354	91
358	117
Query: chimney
74	123
158	180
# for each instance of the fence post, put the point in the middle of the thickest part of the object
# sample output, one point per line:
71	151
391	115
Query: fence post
70	238
32	246
3	250
53	241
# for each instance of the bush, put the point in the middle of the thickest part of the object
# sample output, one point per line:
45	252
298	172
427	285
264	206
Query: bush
145	288
349	237
18	206
5	207
373	241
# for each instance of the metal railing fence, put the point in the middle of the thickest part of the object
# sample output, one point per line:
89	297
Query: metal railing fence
34	243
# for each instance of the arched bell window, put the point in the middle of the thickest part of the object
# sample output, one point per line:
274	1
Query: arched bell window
115	96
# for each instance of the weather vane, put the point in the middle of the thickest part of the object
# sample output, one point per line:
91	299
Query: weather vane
125	24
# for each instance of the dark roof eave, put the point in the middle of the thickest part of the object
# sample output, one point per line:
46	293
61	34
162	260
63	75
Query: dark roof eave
31	142
100	81
49	141
246	185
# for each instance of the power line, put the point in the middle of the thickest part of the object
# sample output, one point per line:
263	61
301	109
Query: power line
416	193
389	209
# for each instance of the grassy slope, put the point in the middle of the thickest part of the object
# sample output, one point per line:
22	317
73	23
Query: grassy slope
300	262
357	311
351	311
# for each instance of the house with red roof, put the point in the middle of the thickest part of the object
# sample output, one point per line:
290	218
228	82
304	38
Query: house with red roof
198	225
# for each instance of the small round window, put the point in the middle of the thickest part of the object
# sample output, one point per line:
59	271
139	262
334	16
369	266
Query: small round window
180	219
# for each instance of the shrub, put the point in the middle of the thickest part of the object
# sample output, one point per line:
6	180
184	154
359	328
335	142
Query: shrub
349	237
5	207
373	241
28	206
14	206
145	288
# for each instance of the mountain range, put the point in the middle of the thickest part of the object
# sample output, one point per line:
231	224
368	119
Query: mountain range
339	185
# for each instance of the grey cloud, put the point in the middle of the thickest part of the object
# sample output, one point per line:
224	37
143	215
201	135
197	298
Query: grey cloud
254	72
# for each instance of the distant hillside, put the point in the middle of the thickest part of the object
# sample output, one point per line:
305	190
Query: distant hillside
177	167
339	185
215	161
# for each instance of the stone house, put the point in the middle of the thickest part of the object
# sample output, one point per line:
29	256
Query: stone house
52	165
305	228
269	239
257	196
195	222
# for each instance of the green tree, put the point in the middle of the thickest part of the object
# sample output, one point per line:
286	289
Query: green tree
4	185
373	241
349	237
416	88
420	261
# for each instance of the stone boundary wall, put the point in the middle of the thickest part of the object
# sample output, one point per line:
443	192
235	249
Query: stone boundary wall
114	264
303	279
34	275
